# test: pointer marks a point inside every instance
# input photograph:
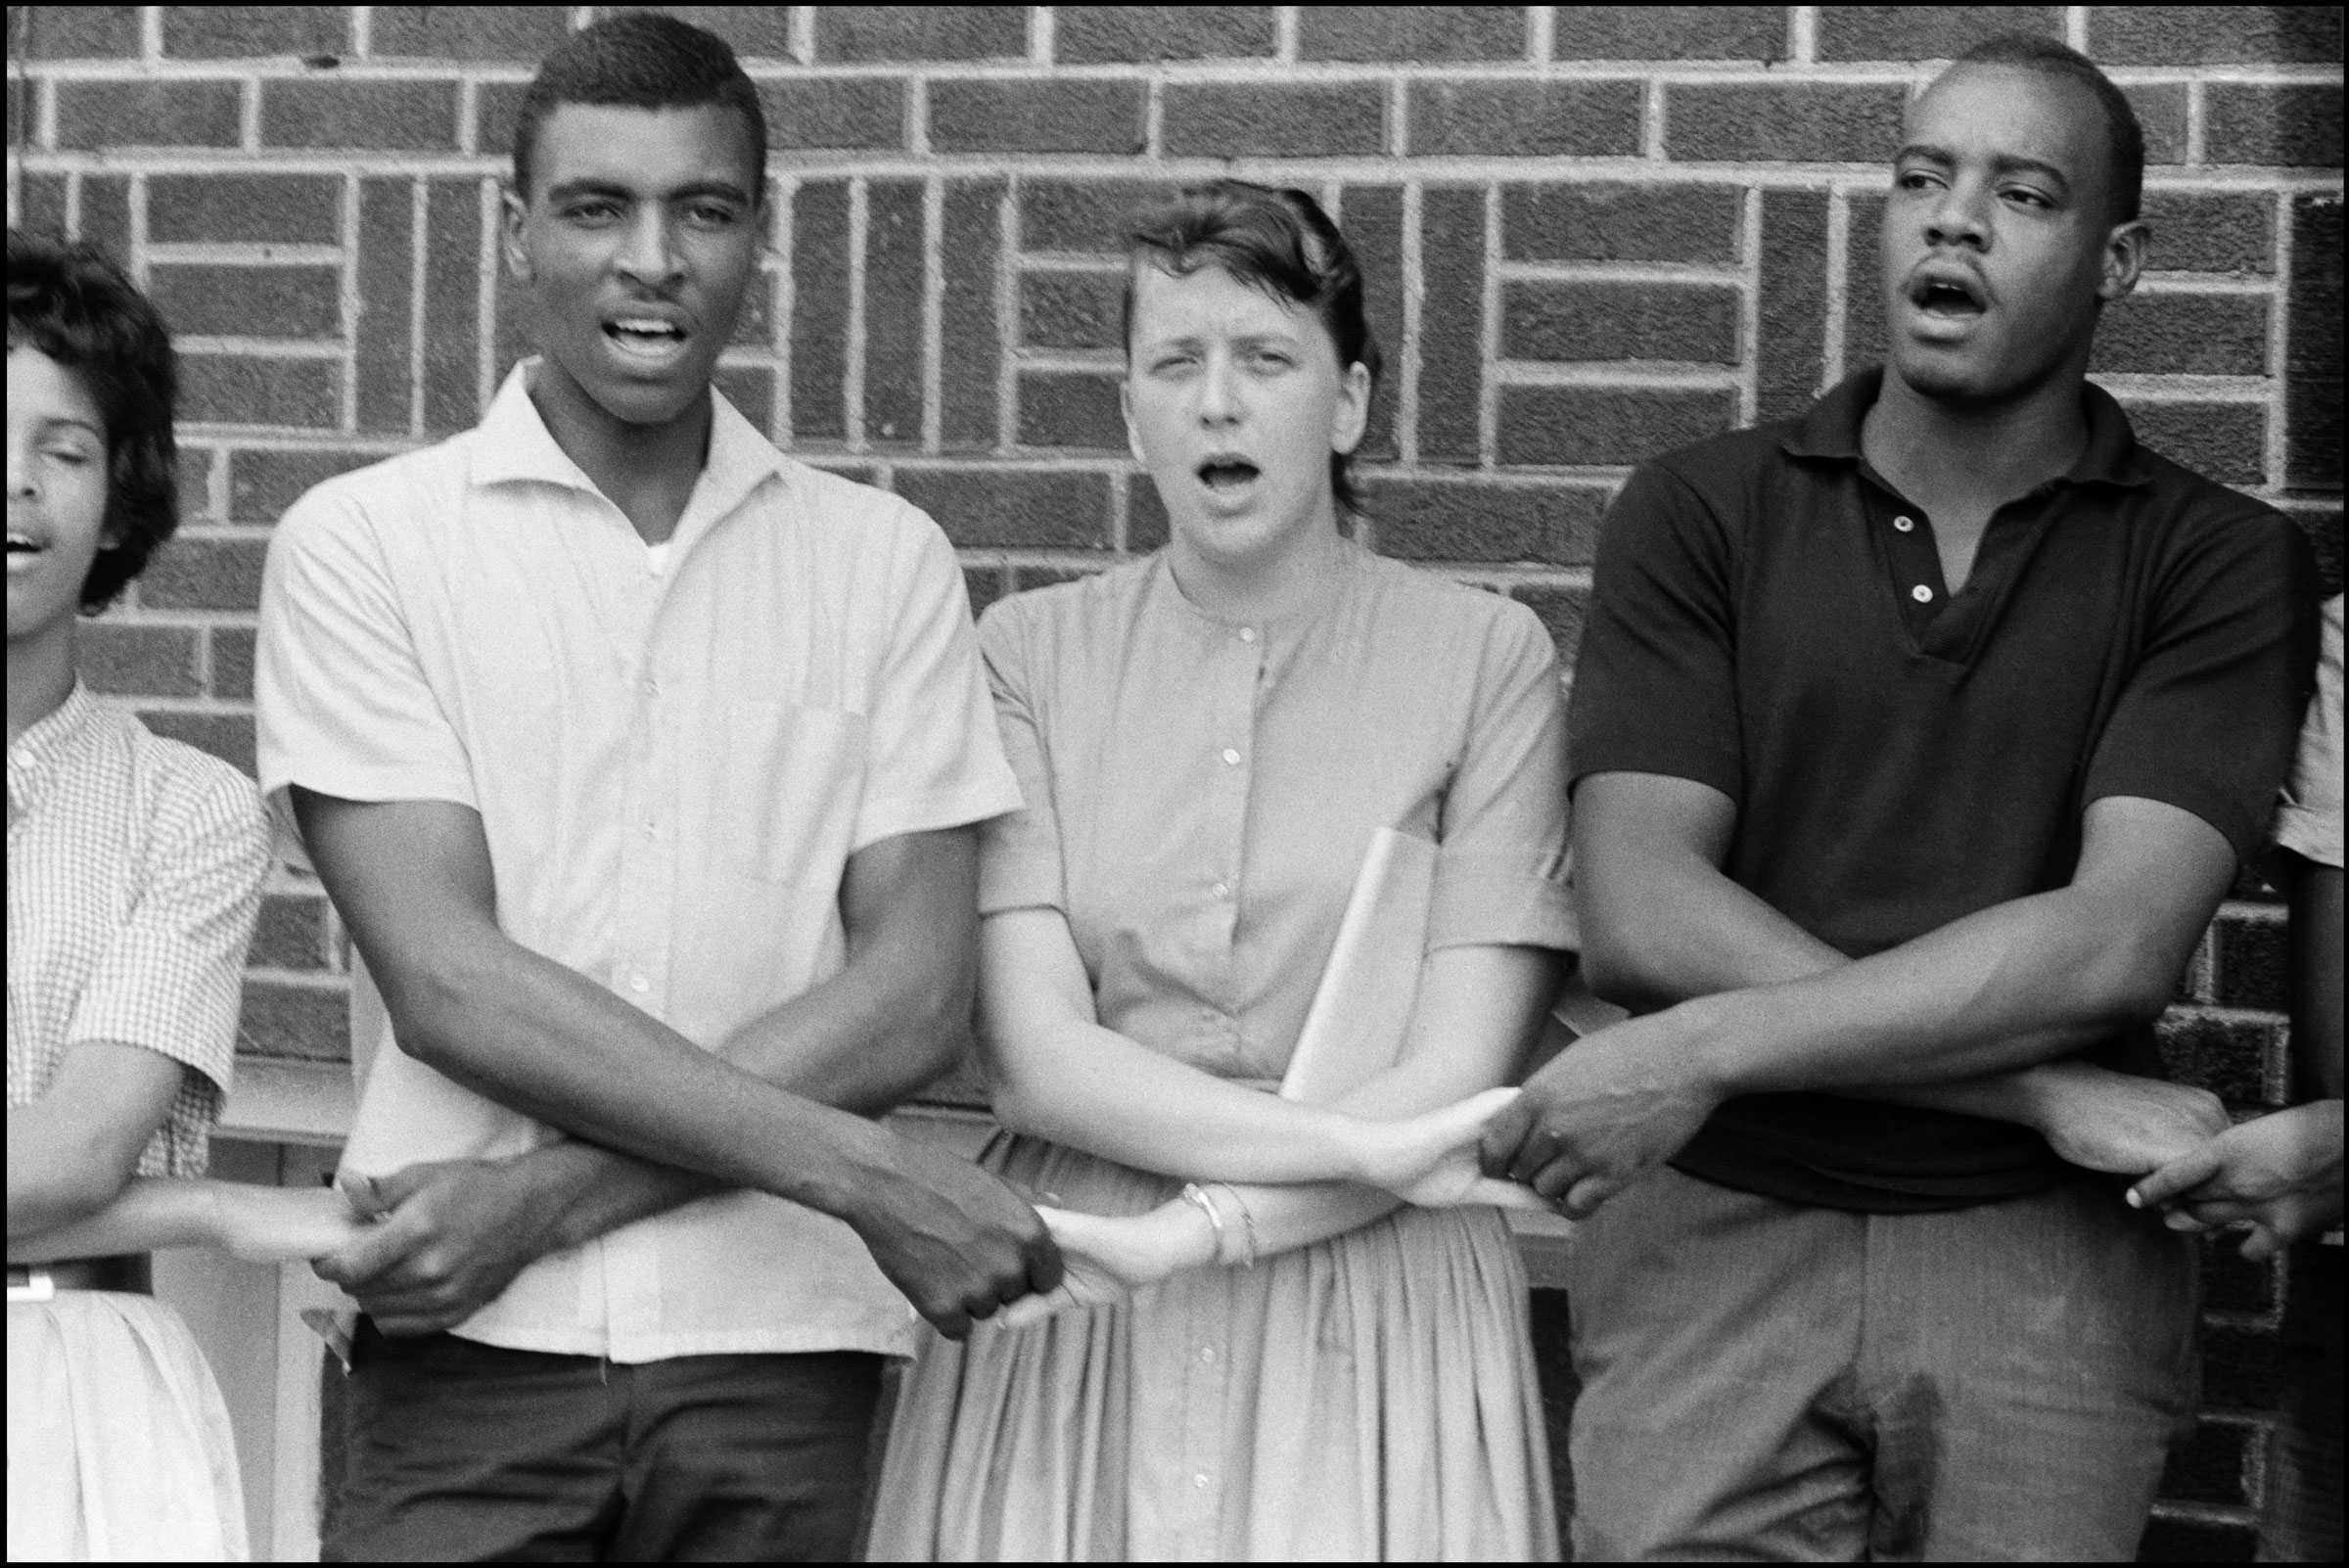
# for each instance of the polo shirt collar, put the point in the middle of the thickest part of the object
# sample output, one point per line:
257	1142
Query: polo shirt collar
37	756
511	443
1830	430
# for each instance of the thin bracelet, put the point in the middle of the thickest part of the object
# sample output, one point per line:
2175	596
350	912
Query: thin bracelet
1247	1223
1196	1194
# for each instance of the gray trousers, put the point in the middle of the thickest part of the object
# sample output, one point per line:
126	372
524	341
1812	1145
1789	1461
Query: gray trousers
1764	1380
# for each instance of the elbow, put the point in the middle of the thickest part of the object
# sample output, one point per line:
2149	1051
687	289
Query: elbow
1616	967
64	1194
2130	982
433	1008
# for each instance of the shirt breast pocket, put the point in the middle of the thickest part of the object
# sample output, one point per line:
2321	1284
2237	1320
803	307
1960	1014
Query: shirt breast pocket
791	779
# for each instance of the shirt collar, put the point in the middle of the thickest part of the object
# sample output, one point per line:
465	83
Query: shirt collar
34	758
1830	430
511	443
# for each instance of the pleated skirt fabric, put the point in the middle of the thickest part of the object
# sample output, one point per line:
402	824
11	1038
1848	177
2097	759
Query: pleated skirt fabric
118	1444
1371	1396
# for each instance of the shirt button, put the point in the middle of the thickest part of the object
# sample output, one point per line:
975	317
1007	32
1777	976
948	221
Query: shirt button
1903	524
1223	890
1247	634
1201	1481
640	984
1231	757
652	687
1207	1354
1922	594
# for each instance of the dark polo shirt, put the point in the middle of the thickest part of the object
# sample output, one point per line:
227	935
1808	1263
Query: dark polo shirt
1771	619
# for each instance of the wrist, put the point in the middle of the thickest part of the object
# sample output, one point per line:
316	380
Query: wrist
1190	1236
1712	1038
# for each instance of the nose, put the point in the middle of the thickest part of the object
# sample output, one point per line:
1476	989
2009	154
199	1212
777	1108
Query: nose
648	254
24	484
1956	218
1218	389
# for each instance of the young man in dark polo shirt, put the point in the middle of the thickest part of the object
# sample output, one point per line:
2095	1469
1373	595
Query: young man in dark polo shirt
1916	742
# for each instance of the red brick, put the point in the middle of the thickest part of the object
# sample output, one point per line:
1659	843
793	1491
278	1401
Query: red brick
751	389
228	32
1791	315
381	336
40	202
1864	338
2212	231
835	113
1372	219
2196	1537
1283	120
2231	1284
921	32
1093	217
263	481
2240	1368
106	213
2296	123
755	32
1452	321
2212	1466
1609	426
1562	612
148	114
302	1022
291	933
2253	964
232	662
995	508
2319	521
521	33
983	586
2226	1054
1621	222
1904	33
1683	322
2161	113
452	310
2184	335
2224	441
1035	117
377	115
1670	32
1070	409
1147	527
2312	351
285	208
1109	34
194	483
73	32
1469	520
193	572
1525	118
496	105
970	347
223	389
894	235
819	321
1411	33
2214	35
226	736
1072	310
209	299
1781	122
146	660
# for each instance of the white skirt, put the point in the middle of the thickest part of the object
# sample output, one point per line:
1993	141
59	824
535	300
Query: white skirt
118	1444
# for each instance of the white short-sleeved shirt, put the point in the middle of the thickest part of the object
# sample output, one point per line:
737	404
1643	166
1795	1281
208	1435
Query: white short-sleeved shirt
2308	822
672	761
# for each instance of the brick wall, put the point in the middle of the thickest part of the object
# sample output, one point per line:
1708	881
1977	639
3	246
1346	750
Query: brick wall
1591	232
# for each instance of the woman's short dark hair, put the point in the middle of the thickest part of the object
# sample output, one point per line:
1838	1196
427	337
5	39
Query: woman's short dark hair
639	60
1278	240
69	301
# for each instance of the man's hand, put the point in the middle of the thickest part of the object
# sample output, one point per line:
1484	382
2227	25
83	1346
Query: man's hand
2280	1173
952	1237
1431	1159
2119	1122
450	1236
1609	1108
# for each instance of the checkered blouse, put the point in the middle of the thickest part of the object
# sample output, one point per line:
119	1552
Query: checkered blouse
135	876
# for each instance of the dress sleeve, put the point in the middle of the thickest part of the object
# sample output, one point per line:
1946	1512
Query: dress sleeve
340	698
1655	681
1020	864
934	761
1500	877
2207	719
2308	822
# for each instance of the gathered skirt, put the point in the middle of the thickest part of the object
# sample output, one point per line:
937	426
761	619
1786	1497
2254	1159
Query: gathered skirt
1370	1396
118	1444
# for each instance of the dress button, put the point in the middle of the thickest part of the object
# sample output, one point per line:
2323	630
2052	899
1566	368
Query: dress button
640	984
652	687
1903	524
1201	1481
1223	890
1207	1354
1922	594
1247	634
1231	757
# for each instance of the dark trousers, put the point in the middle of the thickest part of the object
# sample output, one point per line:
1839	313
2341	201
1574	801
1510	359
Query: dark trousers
463	1451
2303	1519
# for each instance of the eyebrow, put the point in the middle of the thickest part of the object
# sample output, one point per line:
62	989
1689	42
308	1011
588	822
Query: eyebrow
73	421
2003	164
570	190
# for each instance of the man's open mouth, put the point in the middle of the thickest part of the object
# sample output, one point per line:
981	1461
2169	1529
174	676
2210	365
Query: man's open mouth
647	336
1946	296
1225	475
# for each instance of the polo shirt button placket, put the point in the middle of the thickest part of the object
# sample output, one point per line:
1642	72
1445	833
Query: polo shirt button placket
1922	594
1903	524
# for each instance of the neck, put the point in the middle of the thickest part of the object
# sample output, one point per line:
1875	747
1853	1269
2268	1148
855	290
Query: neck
645	470
1991	452
41	675
1278	582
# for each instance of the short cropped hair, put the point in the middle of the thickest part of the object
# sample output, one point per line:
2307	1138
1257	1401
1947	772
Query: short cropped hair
2124	137
69	301
639	60
1276	239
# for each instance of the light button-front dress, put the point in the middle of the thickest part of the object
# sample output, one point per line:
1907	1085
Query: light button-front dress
1200	795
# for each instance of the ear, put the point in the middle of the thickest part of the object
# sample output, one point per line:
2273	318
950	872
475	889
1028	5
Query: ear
513	212
2125	250
1351	416
1133	431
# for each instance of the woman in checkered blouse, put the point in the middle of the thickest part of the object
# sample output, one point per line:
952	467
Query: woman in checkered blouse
134	874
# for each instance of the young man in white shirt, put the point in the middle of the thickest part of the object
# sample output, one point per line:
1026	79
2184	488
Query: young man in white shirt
642	763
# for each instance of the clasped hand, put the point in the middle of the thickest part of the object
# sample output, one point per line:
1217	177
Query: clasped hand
1613	1106
2278	1174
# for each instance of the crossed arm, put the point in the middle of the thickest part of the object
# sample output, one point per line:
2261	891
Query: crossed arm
1976	1016
658	1120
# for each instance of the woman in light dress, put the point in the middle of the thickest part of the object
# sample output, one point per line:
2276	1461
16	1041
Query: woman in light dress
1281	1360
134	874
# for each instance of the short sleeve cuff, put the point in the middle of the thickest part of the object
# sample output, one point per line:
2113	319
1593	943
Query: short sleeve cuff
1629	751
1489	900
977	800
194	1023
2312	835
2244	827
1014	874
